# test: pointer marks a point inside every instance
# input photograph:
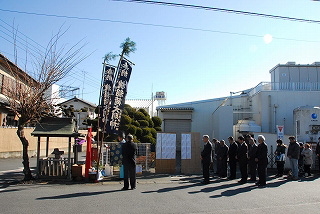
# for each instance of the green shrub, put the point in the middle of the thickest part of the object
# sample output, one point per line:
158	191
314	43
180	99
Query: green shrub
139	132
148	139
139	116
144	112
125	120
151	124
132	130
143	123
135	123
146	131
158	129
157	121
154	133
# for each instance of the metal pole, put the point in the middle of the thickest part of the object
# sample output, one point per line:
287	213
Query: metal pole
47	148
38	156
69	159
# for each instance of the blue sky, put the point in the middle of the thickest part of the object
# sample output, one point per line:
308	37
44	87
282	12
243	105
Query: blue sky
187	64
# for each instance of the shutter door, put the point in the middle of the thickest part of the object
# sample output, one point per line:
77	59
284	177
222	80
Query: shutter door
178	127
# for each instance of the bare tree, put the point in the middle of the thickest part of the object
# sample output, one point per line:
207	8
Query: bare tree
26	91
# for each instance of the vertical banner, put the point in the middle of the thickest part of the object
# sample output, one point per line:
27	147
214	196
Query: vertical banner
118	98
108	79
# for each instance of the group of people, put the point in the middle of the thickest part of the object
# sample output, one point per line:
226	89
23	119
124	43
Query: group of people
245	151
252	156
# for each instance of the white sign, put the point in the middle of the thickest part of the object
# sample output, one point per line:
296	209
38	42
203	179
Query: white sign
280	131
185	146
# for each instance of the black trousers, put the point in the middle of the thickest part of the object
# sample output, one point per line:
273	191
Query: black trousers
206	173
129	171
319	162
223	168
244	170
280	167
262	173
233	168
307	169
253	170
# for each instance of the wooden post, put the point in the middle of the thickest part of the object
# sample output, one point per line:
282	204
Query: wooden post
69	159
47	148
38	156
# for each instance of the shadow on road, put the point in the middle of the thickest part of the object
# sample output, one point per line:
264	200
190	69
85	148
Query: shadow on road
169	189
77	195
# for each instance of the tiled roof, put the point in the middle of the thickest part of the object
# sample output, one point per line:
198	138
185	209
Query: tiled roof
176	109
55	127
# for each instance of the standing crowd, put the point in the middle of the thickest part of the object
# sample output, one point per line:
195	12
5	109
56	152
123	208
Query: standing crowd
252	156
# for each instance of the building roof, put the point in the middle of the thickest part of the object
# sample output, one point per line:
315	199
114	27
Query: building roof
293	64
78	99
55	127
9	65
176	109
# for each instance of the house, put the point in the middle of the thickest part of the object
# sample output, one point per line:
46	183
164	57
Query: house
9	73
82	110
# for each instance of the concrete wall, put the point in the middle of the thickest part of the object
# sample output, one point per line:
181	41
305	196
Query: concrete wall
10	144
286	102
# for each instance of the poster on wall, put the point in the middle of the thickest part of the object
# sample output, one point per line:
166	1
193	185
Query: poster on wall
166	146
185	146
280	131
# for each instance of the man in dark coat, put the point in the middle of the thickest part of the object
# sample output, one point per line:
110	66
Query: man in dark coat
233	151
216	146
262	160
243	159
206	157
129	151
318	152
293	155
252	162
222	156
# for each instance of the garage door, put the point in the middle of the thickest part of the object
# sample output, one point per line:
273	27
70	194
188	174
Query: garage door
178	127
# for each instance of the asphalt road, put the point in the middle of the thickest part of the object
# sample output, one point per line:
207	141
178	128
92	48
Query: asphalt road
167	195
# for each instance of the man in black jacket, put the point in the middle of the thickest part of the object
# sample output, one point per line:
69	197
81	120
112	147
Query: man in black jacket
233	151
318	152
252	162
206	157
293	155
243	159
129	151
262	160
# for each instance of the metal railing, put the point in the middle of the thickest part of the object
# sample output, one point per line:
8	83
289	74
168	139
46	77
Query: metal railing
285	86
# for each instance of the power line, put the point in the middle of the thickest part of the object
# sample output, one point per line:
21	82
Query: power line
153	25
224	10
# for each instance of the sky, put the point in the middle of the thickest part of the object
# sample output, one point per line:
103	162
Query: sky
191	54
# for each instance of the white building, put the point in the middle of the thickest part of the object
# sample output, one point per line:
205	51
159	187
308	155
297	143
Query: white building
259	109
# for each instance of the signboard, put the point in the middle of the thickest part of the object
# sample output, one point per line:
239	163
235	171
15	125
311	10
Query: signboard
280	131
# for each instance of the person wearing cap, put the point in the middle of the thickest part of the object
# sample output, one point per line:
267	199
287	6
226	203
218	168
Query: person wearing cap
129	151
293	155
318	152
206	157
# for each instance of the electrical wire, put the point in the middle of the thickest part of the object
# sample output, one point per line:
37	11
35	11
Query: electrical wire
153	25
224	10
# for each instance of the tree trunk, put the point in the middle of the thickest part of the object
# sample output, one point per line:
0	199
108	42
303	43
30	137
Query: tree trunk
25	157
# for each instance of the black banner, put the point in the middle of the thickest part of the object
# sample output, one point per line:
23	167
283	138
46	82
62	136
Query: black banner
108	79
118	98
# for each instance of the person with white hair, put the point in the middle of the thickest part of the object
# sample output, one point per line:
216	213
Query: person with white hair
262	160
